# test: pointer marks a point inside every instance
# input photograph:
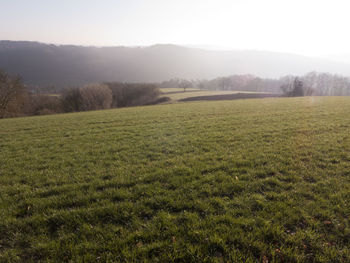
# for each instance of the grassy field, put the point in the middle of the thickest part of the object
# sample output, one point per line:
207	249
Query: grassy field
173	90
264	180
176	94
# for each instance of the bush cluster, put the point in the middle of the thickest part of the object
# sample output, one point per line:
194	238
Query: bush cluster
132	94
16	100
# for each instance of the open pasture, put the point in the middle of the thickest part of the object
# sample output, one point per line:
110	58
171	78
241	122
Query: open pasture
176	94
261	180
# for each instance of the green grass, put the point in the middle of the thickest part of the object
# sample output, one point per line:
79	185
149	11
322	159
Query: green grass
229	181
172	90
177	94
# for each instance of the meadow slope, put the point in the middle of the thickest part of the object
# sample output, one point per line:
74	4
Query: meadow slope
264	180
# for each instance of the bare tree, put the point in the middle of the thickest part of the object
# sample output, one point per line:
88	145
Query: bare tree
12	92
185	84
225	83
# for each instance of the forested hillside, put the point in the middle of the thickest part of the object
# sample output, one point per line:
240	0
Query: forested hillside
65	65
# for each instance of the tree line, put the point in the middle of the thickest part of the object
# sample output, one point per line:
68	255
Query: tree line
319	84
17	100
313	83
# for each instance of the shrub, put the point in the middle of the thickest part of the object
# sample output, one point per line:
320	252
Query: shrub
92	97
45	104
96	97
158	101
132	94
72	100
294	88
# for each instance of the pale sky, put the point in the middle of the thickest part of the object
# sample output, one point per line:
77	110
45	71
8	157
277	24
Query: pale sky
308	27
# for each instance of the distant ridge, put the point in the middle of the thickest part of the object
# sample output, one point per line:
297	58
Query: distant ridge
66	65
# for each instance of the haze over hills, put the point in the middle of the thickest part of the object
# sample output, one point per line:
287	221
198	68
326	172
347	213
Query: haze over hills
343	58
64	65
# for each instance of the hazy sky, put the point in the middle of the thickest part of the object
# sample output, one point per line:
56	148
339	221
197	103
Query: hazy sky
310	27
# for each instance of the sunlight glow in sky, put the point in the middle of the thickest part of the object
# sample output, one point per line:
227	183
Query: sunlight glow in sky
309	27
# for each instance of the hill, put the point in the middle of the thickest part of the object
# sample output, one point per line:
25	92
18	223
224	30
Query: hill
262	180
62	65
